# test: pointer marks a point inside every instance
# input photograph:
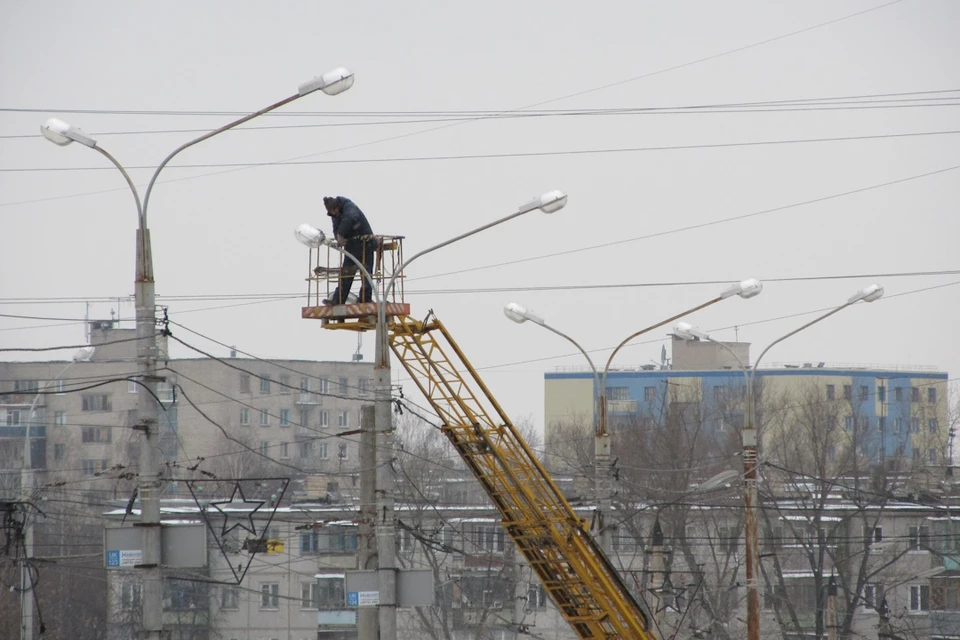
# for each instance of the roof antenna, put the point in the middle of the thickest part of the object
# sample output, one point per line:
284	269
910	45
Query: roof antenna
736	333
357	356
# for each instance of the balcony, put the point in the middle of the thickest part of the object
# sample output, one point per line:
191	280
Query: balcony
308	399
622	406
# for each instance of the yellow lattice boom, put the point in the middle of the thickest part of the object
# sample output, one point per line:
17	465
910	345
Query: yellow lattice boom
555	542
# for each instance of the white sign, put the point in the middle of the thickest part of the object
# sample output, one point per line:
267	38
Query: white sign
124	557
368	598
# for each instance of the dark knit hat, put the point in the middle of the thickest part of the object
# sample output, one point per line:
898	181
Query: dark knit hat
331	204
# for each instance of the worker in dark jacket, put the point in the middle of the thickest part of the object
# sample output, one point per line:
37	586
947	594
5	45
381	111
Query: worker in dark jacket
354	236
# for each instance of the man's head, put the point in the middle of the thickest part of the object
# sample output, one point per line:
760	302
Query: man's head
332	205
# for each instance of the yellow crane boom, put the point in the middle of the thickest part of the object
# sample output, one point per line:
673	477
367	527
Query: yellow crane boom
555	542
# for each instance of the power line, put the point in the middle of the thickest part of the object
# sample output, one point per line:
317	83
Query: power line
701	225
499	156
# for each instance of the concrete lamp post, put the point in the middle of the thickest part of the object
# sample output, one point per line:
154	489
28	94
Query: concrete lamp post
549	202
61	133
603	481
750	443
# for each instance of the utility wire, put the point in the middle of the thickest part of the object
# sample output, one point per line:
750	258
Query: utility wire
498	156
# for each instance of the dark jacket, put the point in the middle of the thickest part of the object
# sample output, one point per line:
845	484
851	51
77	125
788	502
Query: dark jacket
351	223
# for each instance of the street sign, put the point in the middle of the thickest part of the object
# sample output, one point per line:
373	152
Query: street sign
414	588
182	545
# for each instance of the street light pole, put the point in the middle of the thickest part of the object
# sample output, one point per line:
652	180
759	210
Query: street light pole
750	428
60	133
603	470
385	526
27	596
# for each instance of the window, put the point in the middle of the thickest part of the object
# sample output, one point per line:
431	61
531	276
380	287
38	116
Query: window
305	390
96	402
26	386
916	454
244	383
932	425
132	386
848	423
130	596
324	418
341	539
931	395
284	450
919	597
864	423
773	538
344	386
915	425
342	451
264	384
264	418
13	417
306	449
265	448
882	394
269	595
488	537
919	538
914	394
898	425
831	453
230	598
719	394
244	416
92	467
304	418
309	542
165	392
404	541
343	419
831	392
872	535
330	592
536	597
847	392
284	384
864	392
90	435
309	595
184	595
872	595
59	418
284	417
882	424
324	386
649	394
322	450
618	394
898	394
59	451
364	386
773	595
932	456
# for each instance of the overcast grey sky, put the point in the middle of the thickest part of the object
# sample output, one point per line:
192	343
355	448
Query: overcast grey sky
69	235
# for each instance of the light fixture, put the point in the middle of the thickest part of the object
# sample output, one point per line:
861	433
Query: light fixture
60	133
311	236
84	354
519	314
549	202
686	331
746	289
331	83
867	294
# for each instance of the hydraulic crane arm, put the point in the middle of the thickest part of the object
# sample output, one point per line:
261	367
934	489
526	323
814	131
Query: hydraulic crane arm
555	542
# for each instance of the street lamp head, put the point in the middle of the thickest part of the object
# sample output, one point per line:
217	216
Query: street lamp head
686	331
519	314
867	294
746	289
60	133
311	236
331	83
84	354
549	202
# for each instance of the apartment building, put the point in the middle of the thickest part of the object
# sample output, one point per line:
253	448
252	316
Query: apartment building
890	415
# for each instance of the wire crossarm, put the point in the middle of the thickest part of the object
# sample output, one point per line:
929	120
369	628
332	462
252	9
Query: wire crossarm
556	543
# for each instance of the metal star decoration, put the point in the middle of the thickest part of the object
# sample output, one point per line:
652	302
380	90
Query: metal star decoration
235	506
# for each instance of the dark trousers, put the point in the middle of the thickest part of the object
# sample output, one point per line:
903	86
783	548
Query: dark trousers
364	252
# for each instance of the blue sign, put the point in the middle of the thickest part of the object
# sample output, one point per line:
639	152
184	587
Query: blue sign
353	597
113	558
